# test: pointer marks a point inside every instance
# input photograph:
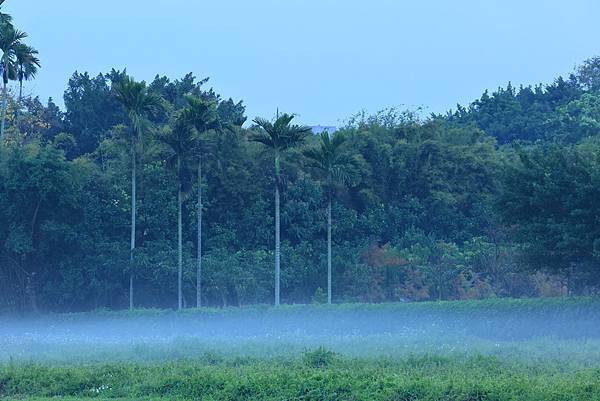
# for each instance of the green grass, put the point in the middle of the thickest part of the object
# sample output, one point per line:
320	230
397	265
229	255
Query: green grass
327	377
493	350
492	305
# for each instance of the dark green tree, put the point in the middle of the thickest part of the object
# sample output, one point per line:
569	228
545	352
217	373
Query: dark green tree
92	110
42	195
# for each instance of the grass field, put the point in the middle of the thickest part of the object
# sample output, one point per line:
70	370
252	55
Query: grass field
521	350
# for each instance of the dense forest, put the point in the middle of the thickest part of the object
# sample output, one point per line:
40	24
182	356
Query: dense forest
138	191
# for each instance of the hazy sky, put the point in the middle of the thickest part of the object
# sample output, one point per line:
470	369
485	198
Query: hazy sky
324	60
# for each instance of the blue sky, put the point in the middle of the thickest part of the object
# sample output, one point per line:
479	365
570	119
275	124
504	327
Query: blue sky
322	59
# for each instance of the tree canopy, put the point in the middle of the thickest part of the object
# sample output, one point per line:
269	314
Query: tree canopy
500	197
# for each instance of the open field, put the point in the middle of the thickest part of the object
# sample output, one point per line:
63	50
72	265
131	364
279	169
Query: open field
315	377
546	349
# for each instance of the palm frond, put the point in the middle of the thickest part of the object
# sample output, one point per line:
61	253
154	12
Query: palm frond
10	37
27	62
330	160
180	139
139	102
264	124
262	137
202	115
5	18
280	134
10	40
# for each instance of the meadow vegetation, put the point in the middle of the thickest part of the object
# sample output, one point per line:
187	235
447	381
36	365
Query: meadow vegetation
461	351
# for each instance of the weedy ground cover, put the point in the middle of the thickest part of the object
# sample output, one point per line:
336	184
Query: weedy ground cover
525	350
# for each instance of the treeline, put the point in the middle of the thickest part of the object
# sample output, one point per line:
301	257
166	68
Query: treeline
496	199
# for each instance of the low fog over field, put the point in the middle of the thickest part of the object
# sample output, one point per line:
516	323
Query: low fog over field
568	330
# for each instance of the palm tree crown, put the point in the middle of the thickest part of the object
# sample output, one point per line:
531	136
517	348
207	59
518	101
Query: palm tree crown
329	158
280	134
181	140
139	102
202	114
27	62
10	40
4	18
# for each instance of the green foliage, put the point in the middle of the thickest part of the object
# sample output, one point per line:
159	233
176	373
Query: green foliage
328	158
10	43
426	378
320	297
180	140
549	195
319	358
588	73
430	208
580	117
140	103
84	98
279	135
528	114
27	62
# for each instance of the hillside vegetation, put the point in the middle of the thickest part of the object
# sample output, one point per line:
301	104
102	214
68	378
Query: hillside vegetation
166	195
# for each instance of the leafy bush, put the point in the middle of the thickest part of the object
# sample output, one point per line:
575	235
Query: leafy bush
319	358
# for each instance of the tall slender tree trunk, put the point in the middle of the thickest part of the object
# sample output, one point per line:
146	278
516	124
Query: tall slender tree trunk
277	232
329	251
179	250
133	217
32	259
18	111
199	256
4	106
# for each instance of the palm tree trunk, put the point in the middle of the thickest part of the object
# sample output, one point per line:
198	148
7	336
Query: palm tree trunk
277	232
4	106
199	256
32	259
179	251
277	246
18	111
329	251
133	215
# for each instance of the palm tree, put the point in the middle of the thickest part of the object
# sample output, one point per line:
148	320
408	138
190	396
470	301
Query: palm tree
10	40
333	166
140	104
181	140
27	64
202	114
4	18
279	136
